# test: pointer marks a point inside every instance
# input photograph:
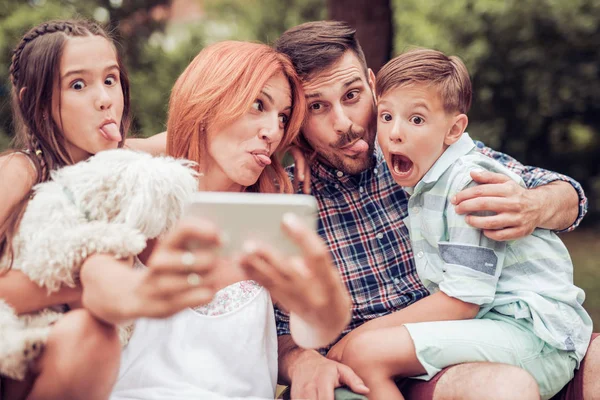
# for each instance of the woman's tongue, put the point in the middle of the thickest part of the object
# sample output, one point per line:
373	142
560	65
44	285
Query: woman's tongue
402	165
111	132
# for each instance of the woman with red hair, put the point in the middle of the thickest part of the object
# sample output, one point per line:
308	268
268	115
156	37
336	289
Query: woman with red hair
233	111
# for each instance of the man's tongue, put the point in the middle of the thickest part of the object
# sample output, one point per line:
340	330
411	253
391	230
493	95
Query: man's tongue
111	132
402	165
360	146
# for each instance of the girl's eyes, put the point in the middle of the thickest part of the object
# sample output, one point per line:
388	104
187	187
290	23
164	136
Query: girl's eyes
258	105
415	119
111	80
77	85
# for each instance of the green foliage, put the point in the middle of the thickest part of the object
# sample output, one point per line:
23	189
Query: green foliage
155	53
263	20
534	67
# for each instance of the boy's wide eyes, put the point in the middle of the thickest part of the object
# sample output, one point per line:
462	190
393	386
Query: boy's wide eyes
415	119
386	117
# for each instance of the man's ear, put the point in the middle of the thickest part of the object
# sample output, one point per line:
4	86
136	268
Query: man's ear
460	124
21	93
371	77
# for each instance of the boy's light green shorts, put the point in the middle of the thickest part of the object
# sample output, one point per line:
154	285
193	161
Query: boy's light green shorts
493	338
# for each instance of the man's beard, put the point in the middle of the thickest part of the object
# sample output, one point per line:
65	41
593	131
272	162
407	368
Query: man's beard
352	166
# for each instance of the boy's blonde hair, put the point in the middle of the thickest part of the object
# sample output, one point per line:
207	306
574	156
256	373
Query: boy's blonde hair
448	74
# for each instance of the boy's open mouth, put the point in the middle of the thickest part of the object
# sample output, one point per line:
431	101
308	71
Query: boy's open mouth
401	165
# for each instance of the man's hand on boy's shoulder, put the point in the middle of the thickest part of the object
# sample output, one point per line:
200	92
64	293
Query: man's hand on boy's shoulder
517	211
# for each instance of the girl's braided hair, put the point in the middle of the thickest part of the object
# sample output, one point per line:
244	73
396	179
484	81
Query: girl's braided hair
35	77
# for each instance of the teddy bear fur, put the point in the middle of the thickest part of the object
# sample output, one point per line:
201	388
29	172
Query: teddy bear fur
112	203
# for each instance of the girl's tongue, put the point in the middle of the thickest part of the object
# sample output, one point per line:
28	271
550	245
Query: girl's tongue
402	165
111	132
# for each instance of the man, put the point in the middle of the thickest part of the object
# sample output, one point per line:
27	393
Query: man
361	213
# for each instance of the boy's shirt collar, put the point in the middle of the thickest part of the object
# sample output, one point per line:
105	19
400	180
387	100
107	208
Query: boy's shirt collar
461	147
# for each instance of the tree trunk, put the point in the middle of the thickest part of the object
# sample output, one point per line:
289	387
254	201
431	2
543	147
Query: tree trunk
373	22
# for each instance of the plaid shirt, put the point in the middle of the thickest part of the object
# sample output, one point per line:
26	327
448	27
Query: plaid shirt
360	220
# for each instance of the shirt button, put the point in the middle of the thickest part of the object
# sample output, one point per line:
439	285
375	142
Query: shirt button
396	281
339	174
420	254
379	236
337	186
416	210
375	171
361	189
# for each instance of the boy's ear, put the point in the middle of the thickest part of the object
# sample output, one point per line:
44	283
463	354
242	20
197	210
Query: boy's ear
371	76
460	124
21	93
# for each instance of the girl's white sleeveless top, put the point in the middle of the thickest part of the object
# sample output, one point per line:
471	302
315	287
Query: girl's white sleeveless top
231	353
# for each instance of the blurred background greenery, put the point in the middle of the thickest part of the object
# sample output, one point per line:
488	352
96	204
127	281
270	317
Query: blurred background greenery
535	66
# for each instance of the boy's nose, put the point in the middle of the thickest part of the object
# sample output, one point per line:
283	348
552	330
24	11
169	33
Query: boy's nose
396	135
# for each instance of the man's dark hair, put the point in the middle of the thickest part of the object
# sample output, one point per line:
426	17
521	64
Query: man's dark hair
316	46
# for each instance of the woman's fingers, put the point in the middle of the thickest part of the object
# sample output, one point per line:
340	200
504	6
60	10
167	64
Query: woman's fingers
177	261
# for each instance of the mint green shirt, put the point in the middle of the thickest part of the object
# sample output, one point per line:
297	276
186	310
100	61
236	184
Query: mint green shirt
530	279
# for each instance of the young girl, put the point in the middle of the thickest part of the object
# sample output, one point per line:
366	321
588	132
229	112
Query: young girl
70	98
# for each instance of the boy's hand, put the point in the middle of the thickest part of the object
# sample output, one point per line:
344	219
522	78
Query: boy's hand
516	208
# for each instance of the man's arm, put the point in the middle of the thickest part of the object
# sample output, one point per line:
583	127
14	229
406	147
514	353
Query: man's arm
313	376
155	145
553	201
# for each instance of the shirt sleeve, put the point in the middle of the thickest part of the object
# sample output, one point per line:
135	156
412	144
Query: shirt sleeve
282	322
472	263
534	177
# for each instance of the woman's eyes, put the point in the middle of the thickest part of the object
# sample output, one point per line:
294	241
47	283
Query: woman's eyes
258	105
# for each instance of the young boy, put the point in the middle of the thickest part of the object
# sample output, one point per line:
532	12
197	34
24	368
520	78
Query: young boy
512	303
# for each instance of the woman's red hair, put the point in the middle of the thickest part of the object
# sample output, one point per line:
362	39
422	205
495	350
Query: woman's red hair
217	88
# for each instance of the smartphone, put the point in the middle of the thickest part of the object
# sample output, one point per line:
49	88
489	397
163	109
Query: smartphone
258	216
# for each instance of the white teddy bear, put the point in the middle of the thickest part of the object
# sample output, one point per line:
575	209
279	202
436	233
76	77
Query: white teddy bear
112	203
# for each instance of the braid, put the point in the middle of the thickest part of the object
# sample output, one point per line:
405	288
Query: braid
40	30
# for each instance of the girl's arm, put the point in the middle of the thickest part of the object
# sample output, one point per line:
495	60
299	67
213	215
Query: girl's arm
17	177
155	145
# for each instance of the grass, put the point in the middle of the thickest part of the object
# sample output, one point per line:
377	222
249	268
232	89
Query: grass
584	246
